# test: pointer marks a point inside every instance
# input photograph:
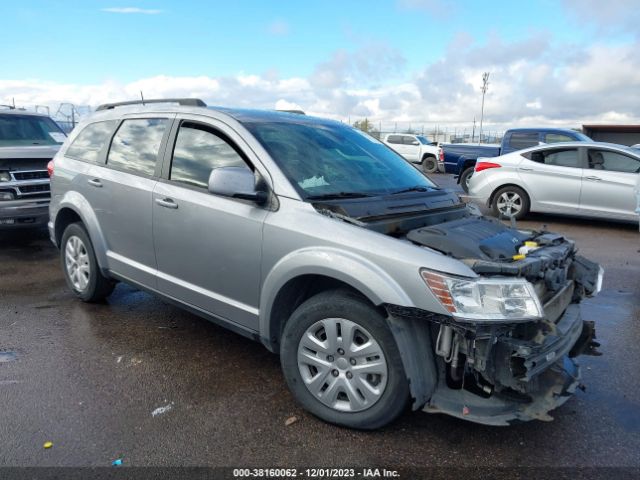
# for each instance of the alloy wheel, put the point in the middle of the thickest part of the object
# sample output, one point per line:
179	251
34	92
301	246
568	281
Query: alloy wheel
76	261
509	203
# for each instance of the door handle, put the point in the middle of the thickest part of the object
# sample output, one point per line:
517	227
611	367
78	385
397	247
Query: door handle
593	179
94	182
166	202
525	169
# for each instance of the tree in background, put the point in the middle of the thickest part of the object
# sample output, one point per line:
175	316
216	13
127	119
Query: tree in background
367	127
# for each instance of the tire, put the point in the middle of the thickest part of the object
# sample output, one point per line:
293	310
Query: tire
429	165
76	249
338	398
515	200
464	179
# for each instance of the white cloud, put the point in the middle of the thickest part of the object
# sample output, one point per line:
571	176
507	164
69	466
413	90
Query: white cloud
531	82
130	10
278	28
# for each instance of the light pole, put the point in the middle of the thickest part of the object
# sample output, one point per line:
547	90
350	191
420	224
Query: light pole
485	86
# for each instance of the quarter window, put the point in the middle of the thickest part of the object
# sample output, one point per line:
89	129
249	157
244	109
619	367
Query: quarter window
520	141
136	145
91	140
197	152
612	161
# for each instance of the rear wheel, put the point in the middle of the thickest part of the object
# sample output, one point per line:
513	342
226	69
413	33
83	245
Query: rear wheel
510	201
341	362
80	267
464	179
429	165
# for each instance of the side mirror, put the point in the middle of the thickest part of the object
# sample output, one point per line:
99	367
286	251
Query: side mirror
415	142
236	182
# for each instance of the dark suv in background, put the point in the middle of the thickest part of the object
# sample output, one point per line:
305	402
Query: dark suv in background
28	141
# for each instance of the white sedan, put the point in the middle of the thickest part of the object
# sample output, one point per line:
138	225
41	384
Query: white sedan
579	178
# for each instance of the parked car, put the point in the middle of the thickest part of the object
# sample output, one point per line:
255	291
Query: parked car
460	158
581	178
28	141
375	286
417	149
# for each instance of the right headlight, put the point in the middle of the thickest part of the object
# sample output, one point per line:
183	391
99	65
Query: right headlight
485	299
4	176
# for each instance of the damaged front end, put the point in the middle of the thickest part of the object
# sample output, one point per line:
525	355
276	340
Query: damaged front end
507	352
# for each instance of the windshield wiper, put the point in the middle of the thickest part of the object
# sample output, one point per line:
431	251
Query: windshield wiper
336	195
417	188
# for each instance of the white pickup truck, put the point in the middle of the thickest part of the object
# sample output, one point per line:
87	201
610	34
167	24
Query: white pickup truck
416	149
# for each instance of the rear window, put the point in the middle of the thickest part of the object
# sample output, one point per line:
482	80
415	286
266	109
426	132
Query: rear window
26	130
520	141
91	140
136	145
557	137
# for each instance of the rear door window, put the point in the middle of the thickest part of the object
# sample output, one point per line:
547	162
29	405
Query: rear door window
560	158
520	141
199	150
136	145
91	140
612	162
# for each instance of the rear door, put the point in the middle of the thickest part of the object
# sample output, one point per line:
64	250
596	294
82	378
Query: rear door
208	247
121	195
553	178
608	184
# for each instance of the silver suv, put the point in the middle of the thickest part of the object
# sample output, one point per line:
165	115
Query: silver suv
376	287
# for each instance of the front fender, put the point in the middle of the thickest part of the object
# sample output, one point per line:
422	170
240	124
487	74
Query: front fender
79	204
350	268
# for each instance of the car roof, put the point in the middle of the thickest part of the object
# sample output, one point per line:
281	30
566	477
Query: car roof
241	115
18	111
606	145
543	129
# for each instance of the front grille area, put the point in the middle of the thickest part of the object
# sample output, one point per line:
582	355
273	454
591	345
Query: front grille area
30	175
29	189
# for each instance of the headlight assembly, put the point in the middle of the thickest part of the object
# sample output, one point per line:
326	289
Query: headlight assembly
4	176
485	299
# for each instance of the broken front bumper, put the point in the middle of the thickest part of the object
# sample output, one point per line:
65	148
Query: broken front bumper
529	378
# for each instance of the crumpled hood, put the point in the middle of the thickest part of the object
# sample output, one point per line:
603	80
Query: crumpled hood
472	237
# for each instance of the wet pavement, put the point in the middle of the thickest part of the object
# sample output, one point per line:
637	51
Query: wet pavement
138	379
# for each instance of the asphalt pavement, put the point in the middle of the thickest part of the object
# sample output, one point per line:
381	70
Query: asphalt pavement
138	379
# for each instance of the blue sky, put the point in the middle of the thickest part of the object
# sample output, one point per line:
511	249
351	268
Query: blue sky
350	53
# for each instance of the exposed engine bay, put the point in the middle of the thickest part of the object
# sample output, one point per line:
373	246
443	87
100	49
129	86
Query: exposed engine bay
497	372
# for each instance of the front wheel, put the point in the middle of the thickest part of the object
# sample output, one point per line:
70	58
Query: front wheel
80	267
464	179
341	362
510	201
429	165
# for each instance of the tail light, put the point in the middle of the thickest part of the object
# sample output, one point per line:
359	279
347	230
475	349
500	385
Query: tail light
480	166
50	168
441	155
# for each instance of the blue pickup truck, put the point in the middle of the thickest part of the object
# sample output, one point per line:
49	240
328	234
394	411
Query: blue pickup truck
460	158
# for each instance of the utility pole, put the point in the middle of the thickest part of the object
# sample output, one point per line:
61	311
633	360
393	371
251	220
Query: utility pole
484	88
473	132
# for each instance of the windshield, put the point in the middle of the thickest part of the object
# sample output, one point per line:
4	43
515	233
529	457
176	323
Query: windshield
581	137
335	159
423	140
20	130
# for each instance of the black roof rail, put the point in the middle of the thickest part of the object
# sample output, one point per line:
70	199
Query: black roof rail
299	112
187	102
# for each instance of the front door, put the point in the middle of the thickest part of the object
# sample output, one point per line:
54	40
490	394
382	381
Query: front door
208	247
608	185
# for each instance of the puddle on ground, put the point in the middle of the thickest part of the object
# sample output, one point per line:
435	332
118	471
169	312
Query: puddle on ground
7	357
